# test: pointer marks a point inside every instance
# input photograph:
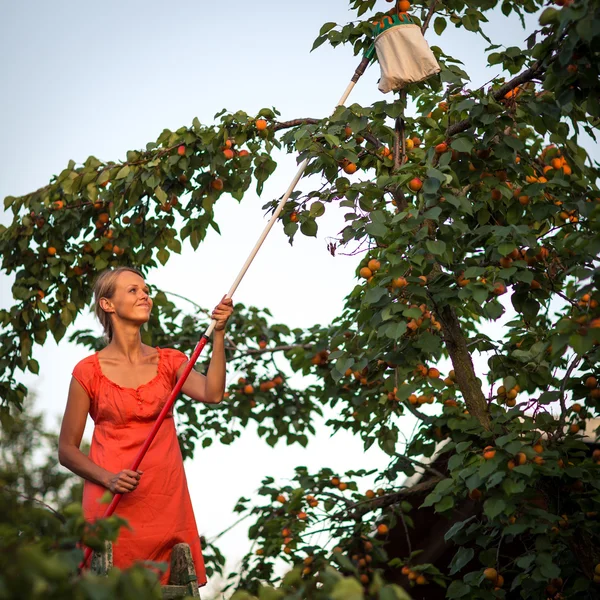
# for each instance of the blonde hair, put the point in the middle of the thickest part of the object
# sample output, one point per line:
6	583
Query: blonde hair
104	287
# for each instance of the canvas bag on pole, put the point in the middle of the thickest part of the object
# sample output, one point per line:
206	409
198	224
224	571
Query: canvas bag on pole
403	53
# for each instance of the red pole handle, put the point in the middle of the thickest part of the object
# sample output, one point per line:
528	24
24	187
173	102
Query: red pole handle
110	509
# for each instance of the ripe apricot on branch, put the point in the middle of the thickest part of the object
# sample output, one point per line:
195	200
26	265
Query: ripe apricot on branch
489	452
217	184
350	168
415	184
365	273
261	124
181	150
374	265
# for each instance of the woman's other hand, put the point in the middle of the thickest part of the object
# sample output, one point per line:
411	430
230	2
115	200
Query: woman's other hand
124	481
222	313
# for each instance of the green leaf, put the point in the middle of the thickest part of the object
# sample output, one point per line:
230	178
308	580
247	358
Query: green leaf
347	589
326	28
269	593
457	589
123	172
316	209
549	16
461	558
436	247
376	229
160	194
513	142
492	507
163	256
309	228
290	228
446	503
374	294
462	144
439	25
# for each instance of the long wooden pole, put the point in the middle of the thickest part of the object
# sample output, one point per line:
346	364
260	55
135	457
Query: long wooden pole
110	509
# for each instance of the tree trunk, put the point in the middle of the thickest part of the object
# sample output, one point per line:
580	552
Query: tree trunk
463	366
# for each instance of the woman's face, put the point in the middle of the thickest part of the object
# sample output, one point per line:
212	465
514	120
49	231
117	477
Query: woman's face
131	300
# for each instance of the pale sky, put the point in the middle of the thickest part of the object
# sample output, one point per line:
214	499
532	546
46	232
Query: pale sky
100	79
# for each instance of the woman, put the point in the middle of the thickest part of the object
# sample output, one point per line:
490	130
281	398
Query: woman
123	387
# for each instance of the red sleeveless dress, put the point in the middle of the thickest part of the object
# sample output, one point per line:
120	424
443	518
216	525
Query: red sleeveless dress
159	511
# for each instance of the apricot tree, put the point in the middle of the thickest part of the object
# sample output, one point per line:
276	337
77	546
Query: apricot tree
463	204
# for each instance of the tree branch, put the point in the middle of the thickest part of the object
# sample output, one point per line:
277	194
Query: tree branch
393	498
253	351
525	76
294	123
430	12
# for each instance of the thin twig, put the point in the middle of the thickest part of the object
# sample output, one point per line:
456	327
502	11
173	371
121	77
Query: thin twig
429	15
409	545
32	499
253	351
216	537
422	465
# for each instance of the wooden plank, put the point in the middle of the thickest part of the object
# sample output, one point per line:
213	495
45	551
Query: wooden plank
183	572
102	562
175	591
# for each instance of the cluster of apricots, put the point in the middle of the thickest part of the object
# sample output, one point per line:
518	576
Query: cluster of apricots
426	317
264	386
287	535
591	383
584	316
230	152
491	575
321	359
531	256
340	485
362	556
414	576
372	267
370	494
169	204
499	287
554	587
361	377
586	301
508	397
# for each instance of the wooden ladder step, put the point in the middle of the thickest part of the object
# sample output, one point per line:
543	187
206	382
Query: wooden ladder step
175	591
183	581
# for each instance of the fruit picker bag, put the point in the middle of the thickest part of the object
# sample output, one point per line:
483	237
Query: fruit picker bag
403	53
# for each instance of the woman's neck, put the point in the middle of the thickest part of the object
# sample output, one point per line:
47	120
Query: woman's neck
126	342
